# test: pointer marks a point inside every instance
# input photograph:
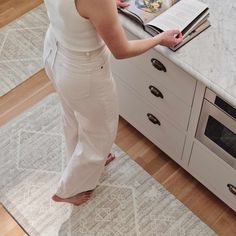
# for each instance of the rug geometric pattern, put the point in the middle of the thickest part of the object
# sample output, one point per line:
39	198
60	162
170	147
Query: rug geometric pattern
127	202
21	48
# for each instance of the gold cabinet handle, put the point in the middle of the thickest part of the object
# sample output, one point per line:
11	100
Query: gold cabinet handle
158	65
156	92
232	188
153	119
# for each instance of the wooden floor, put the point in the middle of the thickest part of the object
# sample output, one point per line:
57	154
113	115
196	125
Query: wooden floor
8	226
196	197
12	9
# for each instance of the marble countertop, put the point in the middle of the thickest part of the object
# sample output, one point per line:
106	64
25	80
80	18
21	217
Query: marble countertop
211	56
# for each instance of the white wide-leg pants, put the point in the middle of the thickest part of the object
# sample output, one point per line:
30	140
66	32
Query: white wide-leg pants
84	83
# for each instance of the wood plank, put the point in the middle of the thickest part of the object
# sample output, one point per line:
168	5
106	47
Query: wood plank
12	9
27	88
28	93
225	225
8	225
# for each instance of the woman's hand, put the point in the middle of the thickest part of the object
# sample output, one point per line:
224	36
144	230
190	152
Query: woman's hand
170	38
121	3
111	31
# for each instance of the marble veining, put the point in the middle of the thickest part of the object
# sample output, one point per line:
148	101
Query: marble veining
211	56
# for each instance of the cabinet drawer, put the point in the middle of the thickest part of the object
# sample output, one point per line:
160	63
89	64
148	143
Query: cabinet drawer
172	77
213	172
154	92
139	114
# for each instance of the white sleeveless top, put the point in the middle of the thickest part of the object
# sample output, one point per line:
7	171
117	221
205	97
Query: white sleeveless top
73	31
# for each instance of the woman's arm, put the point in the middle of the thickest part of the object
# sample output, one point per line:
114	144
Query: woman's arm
104	16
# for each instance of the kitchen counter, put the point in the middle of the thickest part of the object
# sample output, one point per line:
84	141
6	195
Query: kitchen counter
211	56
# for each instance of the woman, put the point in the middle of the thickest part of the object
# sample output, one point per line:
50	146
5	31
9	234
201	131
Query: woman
81	35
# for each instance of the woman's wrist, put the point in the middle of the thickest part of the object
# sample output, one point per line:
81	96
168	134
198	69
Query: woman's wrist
159	39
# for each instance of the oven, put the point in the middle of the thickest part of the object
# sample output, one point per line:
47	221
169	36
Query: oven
217	127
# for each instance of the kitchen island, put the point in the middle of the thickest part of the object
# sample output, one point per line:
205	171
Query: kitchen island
211	56
163	94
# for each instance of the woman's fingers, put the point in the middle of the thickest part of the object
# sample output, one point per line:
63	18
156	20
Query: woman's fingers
122	3
171	38
179	38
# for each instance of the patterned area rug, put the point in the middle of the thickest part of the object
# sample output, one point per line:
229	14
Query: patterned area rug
128	201
21	46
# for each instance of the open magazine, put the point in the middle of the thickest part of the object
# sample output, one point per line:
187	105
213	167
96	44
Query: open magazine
156	16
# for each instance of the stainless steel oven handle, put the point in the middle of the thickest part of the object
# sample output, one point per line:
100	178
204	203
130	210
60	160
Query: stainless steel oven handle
211	110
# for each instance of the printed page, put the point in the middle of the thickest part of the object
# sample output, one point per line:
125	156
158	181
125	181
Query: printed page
149	9
180	15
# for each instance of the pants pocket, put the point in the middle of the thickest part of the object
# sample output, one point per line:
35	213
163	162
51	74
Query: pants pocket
73	84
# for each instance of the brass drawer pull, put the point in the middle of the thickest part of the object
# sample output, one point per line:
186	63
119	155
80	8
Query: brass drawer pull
153	119
158	65
232	188
156	92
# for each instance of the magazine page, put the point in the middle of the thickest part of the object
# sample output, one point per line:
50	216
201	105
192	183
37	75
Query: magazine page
180	15
147	10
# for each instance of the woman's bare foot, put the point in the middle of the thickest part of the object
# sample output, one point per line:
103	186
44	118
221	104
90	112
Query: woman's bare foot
76	200
81	197
110	158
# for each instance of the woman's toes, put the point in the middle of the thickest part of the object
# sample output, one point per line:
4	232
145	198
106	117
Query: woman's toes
56	198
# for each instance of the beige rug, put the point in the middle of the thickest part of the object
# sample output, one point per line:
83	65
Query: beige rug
21	46
127	202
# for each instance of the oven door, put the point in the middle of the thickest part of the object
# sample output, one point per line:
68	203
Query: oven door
217	131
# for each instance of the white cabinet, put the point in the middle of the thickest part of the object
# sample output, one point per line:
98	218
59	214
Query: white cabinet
214	173
149	121
155	89
156	97
166	73
164	102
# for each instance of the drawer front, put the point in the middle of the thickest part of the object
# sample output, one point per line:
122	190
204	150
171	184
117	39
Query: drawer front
149	122
165	72
216	174
164	100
